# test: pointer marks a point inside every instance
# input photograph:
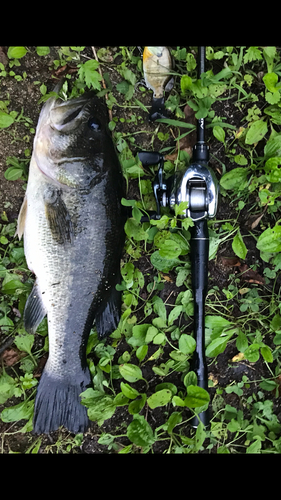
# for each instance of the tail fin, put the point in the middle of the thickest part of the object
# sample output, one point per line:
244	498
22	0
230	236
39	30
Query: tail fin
58	403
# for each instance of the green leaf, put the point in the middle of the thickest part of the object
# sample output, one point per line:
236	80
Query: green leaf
267	354
129	391
163	264
123	87
270	80
170	250
187	344
200	436
134	230
240	159
256	132
252	54
174	419
238	246
103	408
273	147
43	51
150	334
137	405
186	83
196	396
87	71
130	372
159	308
4	240
270	240
21	411
167	385
216	324
159	338
5	120
140	432
14	286
268	385
252	353
160	398
218	345
219	133
234	178
275	323
24	342
16	52
12	173
241	341
255	447
190	379
7	387
120	399
141	352
174	314
175	123
181	276
273	98
177	401
190	62
269	54
129	76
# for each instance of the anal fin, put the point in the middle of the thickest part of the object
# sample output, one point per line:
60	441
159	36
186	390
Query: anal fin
108	315
34	310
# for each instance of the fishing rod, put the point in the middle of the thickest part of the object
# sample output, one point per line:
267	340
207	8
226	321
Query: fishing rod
199	187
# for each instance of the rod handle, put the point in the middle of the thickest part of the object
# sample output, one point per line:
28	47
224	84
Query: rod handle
199	254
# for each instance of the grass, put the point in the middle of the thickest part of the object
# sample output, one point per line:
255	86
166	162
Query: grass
141	374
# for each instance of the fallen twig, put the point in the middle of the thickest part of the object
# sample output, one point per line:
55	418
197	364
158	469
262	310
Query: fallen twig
102	80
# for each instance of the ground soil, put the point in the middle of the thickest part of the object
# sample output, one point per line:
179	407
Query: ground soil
26	94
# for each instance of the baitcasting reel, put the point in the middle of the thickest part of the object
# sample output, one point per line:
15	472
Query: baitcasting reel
197	185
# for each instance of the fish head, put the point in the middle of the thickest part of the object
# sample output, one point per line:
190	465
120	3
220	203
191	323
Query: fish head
71	137
152	51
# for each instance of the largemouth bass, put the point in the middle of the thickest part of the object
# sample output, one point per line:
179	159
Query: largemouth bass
72	222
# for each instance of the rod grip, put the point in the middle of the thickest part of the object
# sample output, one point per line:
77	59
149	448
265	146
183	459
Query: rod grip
199	254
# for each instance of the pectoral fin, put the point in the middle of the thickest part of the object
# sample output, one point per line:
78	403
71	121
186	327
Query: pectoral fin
34	310
58	217
21	219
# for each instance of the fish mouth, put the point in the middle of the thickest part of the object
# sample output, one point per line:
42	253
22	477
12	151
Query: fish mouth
65	116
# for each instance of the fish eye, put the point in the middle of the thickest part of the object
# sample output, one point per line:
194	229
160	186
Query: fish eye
94	124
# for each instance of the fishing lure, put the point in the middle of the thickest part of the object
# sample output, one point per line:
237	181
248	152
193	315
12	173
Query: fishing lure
157	67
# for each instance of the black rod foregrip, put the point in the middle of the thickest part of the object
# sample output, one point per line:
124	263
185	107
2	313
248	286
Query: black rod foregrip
199	254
